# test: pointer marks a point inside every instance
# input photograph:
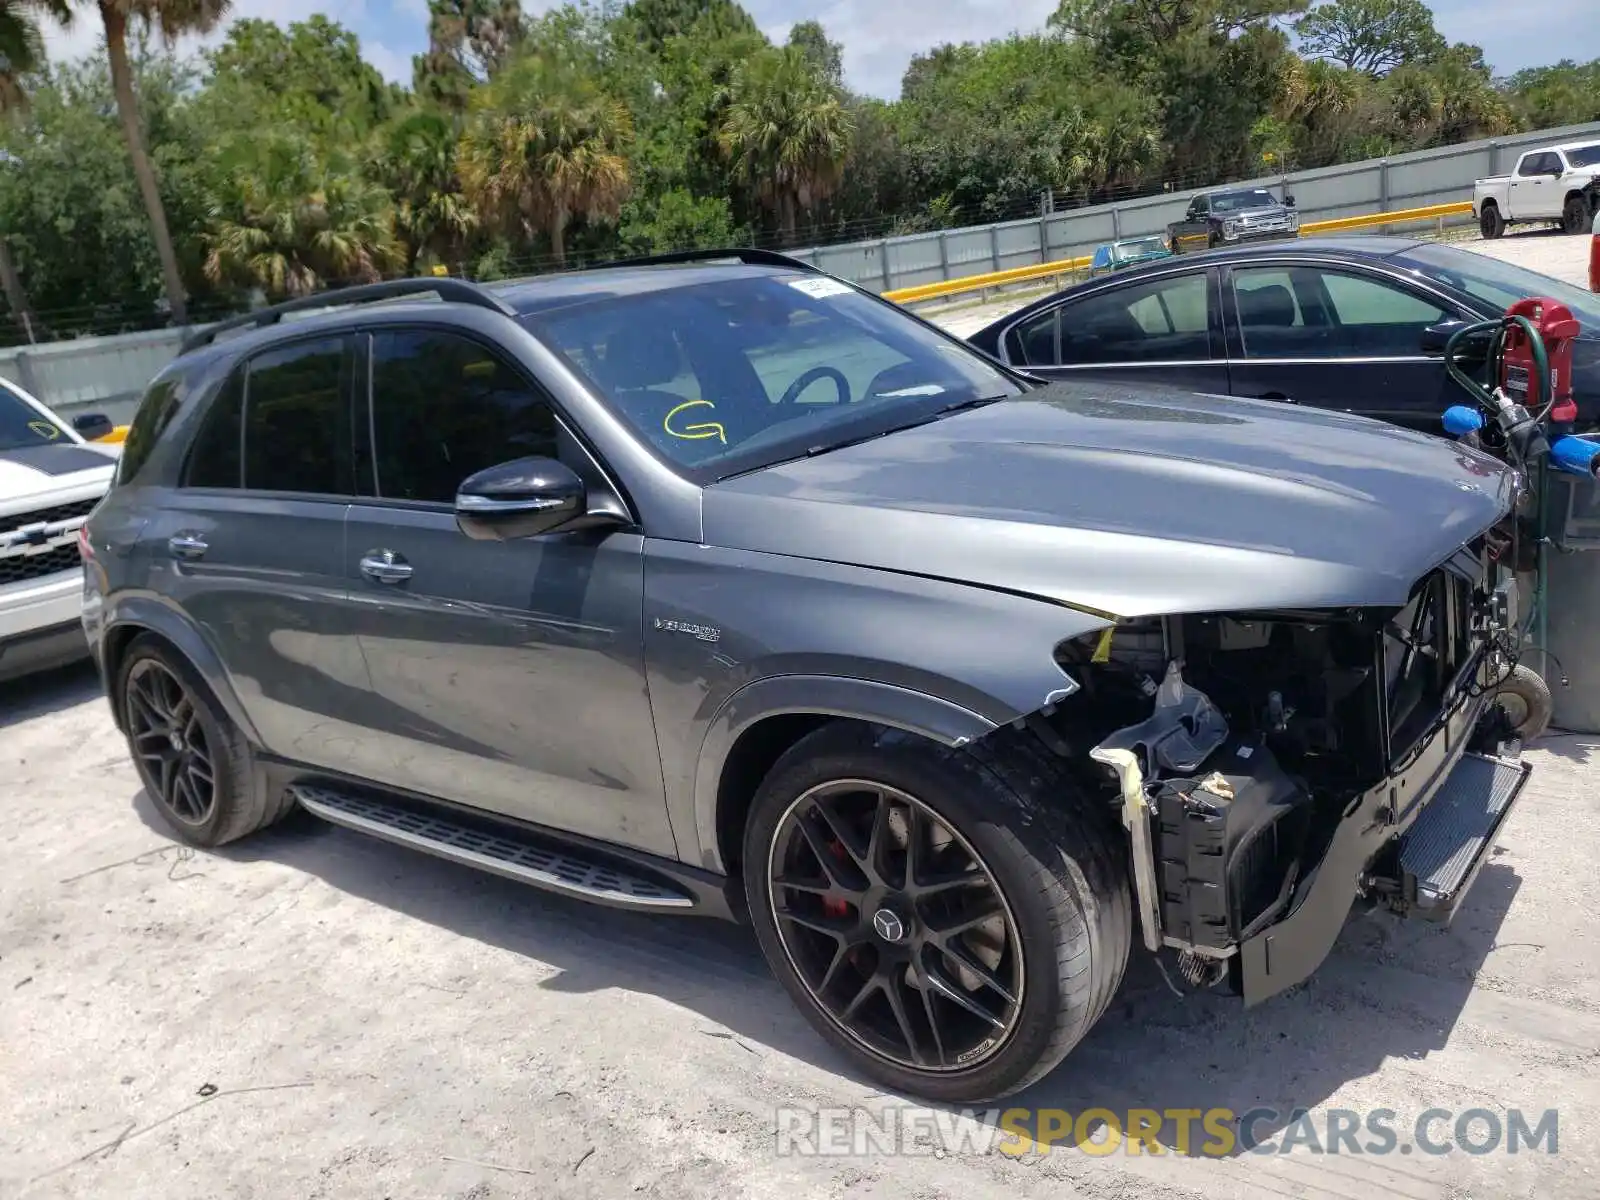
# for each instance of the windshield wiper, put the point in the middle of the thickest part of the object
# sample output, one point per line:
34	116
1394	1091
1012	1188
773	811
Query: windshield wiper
954	406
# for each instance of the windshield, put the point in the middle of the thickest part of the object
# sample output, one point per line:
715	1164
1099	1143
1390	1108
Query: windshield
1149	245
21	424
1584	156
1235	201
741	373
1498	283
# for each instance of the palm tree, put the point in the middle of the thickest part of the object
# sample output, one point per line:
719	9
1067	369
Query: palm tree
21	52
417	159
174	18
544	145
290	221
787	128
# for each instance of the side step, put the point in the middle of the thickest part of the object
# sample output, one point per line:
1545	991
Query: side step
508	852
1445	848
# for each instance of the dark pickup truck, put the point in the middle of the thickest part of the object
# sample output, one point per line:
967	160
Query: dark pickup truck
1228	218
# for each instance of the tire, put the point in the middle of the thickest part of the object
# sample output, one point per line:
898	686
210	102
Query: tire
1490	223
1575	215
1052	867
1526	699
152	674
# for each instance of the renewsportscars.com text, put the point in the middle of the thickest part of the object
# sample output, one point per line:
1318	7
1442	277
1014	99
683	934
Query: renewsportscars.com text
1211	1133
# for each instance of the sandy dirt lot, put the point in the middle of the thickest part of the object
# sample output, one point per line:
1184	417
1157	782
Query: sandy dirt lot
312	1014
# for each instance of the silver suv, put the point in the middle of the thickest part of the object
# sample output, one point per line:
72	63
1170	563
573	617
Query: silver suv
718	585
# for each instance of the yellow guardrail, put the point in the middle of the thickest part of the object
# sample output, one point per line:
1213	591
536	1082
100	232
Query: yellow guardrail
1065	266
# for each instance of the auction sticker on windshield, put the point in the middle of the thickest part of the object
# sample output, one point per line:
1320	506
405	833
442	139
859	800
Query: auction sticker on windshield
822	286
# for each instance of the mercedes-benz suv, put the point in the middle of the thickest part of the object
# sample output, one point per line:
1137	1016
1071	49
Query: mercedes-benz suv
718	585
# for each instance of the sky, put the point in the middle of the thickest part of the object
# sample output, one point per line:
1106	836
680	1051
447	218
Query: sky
880	36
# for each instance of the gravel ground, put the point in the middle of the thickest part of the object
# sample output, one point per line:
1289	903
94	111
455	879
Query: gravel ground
312	1014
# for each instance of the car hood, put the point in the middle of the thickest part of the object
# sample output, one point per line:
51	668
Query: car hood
1131	502
53	466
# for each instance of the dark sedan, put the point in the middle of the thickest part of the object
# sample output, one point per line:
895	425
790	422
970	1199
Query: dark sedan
1356	324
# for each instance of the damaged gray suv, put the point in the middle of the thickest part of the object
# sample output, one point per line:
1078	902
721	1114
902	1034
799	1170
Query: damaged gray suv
714	584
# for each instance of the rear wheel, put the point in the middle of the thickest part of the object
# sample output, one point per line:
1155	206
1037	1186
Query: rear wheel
954	923
1575	215
1490	223
195	765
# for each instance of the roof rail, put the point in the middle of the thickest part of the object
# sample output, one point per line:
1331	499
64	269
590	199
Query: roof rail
456	291
746	255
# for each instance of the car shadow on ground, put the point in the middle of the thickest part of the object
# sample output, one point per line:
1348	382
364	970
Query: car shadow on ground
47	692
1390	989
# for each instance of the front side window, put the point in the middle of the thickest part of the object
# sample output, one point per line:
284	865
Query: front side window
741	372
443	408
1308	312
1496	283
1163	320
297	420
21	424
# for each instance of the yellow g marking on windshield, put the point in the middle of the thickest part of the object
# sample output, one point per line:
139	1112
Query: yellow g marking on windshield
44	429
694	433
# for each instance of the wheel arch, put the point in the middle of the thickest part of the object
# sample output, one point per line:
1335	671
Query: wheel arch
136	616
764	718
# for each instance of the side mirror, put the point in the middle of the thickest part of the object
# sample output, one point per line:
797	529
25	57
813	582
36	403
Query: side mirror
519	499
91	426
1288	199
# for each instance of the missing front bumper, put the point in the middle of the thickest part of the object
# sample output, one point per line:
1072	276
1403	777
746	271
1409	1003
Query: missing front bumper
1378	825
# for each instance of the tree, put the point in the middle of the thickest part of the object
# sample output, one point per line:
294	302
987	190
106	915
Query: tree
544	145
826	57
1374	36
468	42
22	47
292	218
1561	94
788	131
659	21
173	19
310	77
417	160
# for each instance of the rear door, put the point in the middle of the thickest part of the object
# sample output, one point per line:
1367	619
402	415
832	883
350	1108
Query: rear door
1337	336
506	675
1162	329
252	546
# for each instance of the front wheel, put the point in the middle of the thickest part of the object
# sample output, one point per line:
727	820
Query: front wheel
1525	698
953	921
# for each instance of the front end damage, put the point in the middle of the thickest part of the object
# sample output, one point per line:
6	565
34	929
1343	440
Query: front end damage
1273	768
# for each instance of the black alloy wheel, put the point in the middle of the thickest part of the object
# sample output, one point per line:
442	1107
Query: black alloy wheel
169	743
896	926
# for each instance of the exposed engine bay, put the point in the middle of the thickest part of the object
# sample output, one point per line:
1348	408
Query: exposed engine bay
1234	745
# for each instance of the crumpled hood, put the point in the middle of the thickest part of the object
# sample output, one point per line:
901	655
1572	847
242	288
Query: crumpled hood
1132	502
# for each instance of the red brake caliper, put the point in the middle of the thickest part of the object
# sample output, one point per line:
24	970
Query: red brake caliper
836	908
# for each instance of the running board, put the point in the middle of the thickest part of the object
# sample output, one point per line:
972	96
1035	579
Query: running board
1445	848
508	852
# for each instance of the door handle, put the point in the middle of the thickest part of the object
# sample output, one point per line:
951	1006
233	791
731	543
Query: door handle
385	566
187	545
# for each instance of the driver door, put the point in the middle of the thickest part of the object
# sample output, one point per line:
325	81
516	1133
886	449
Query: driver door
506	675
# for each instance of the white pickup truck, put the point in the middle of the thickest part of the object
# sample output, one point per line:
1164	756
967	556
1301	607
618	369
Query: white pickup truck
1557	183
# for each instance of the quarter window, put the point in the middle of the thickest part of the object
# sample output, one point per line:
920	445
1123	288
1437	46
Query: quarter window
1309	312
297	427
444	408
1162	320
1033	342
214	460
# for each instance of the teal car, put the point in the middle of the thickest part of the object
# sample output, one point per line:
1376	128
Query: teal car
1114	256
